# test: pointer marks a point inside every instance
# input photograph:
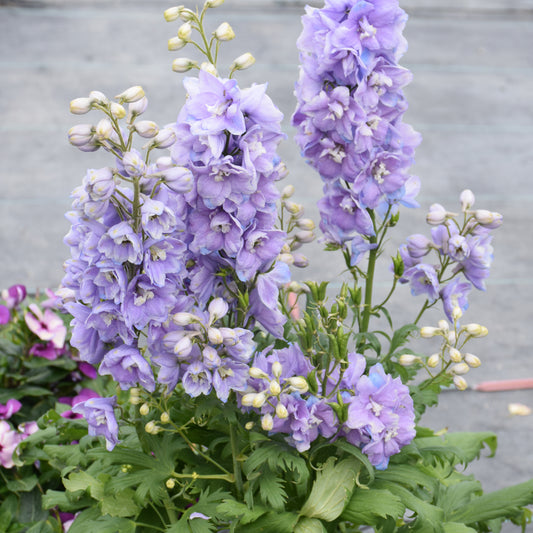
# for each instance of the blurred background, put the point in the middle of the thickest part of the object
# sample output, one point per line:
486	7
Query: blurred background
471	99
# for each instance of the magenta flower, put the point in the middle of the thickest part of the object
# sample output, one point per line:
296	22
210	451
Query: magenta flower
48	351
9	409
47	326
14	295
5	315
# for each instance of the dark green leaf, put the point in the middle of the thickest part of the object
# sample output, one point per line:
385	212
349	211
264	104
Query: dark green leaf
272	491
22	485
367	507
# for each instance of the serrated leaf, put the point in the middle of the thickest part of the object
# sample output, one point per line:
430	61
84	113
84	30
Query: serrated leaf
359	455
501	503
332	489
408	475
367	507
401	336
309	525
121	504
232	509
272	491
84	481
271	522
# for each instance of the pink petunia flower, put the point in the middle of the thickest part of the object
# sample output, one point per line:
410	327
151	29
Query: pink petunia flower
47	326
9	440
9	409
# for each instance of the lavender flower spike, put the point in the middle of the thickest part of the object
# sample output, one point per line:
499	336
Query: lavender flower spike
100	415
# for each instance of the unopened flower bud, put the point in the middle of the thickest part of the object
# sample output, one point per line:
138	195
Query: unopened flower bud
184	319
281	411
472	360
450	338
287	192
467	200
183	347
146	128
299	260
103	129
131	95
443	325
152	428
215	336
164	138
217	309
457	313
408	359
293	208
244	61
170	483
276	369
306	224
183	64
460	383
214	3
172	13
144	409
117	110
455	355
80	134
259	400
138	107
437	215
224	32
165	417
475	330
249	425
460	368
178	179
247	400
257	373
267	422
305	236
299	383
175	43
274	388
80	106
209	67
98	97
186	15
518	409
427	332
488	219
433	360
288	259
185	31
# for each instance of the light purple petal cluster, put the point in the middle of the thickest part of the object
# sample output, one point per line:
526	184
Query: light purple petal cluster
100	415
349	112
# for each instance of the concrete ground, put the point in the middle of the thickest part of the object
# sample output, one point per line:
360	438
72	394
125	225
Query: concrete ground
470	98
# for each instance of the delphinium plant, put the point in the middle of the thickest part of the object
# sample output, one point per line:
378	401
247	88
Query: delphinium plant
245	402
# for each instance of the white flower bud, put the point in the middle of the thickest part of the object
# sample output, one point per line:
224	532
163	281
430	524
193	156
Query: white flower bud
306	224
259	400
293	208
187	15
244	61
467	200
457	313
209	67
427	332
455	355
286	258
214	3
224	32
433	360
475	330
183	347
98	97
460	383
144	409
518	409
299	383
131	94
152	428
460	368
117	110
444	326
172	13
408	359
215	336
185	31
437	215
451	337
80	106
138	107
170	483
276	369
217	309
184	319
248	399
281	411
267	422
165	417
490	219
257	373
287	192
274	388
80	134
175	43
249	425
146	128
103	129
472	360
165	138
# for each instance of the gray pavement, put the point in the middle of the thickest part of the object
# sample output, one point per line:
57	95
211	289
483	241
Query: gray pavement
470	98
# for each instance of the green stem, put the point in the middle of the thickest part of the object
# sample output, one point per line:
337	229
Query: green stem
236	465
369	286
170	509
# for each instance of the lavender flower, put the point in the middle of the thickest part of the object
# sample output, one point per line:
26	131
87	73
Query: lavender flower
100	415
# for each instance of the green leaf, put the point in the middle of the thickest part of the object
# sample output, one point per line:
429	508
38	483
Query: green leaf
270	523
84	481
22	485
332	489
455	527
272	491
359	455
367	507
309	525
401	336
122	504
30	507
91	521
501	503
408	475
232	509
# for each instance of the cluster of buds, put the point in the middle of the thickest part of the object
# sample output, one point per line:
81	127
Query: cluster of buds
452	358
272	393
301	230
193	21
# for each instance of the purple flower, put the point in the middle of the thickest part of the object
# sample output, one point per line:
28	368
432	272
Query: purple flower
14	295
100	416
230	375
128	368
5	315
455	294
197	379
9	409
424	280
359	246
48	351
120	243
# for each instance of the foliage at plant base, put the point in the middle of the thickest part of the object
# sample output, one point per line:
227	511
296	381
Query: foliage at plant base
230	398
